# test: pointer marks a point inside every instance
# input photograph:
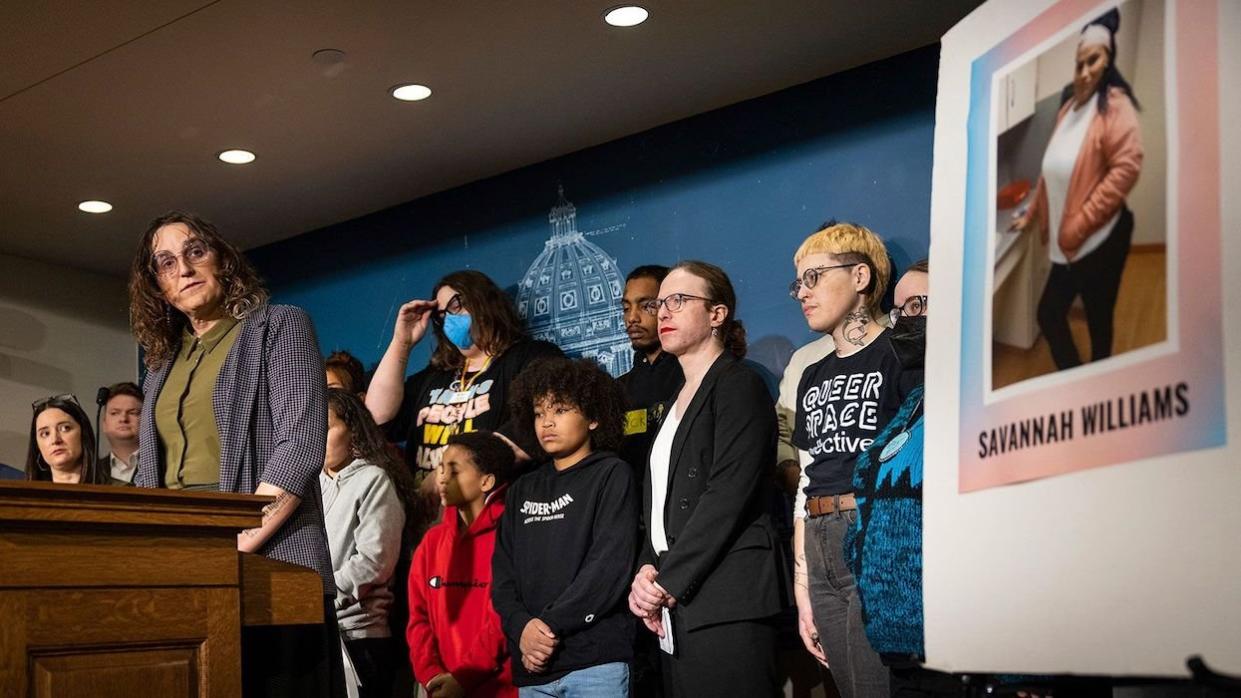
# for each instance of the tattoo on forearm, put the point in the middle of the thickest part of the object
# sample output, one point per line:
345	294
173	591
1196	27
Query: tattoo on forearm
855	327
282	500
270	511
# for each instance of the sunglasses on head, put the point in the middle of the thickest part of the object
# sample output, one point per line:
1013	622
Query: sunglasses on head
42	402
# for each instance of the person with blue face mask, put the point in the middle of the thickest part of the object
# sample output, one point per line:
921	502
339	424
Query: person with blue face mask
480	347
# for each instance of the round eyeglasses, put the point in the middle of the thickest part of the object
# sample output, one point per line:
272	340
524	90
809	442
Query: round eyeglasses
811	276
195	253
674	302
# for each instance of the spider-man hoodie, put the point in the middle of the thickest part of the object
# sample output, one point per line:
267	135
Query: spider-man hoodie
452	625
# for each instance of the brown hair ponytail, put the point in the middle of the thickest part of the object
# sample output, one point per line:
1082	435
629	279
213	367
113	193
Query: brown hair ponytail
720	288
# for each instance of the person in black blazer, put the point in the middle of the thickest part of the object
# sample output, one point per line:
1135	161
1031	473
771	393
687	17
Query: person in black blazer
711	562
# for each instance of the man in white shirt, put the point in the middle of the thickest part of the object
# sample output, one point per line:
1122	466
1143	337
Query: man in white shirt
120	424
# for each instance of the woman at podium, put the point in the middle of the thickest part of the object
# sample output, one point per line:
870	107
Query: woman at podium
236	402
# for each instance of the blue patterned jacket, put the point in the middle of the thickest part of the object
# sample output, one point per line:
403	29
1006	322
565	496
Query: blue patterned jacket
884	548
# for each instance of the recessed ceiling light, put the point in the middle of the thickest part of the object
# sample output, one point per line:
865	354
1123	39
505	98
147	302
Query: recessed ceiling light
237	157
626	16
411	93
95	206
328	56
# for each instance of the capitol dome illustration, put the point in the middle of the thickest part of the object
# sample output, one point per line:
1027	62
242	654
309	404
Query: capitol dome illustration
571	295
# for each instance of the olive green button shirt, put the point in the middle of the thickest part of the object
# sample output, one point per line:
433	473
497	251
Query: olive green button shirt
184	416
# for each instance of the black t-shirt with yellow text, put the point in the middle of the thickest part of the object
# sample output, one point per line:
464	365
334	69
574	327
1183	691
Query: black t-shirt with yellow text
438	404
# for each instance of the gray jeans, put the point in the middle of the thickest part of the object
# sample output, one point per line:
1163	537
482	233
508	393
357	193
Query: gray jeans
855	667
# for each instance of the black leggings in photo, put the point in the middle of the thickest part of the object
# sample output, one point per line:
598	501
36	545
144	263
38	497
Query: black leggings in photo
1096	278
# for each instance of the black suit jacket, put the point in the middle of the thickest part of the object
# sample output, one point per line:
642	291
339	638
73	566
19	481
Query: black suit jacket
724	560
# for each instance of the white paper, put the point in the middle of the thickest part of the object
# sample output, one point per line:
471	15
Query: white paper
665	642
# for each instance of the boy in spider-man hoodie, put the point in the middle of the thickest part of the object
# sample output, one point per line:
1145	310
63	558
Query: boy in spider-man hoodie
456	644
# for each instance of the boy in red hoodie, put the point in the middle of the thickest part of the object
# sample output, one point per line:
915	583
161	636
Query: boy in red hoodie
456	644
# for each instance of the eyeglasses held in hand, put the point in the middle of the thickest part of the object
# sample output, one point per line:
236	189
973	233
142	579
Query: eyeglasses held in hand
454	307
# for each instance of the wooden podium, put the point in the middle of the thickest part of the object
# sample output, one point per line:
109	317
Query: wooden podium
135	593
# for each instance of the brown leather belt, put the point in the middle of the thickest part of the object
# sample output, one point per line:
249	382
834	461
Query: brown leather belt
830	504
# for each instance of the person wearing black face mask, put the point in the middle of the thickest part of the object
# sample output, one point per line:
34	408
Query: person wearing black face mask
888	529
908	320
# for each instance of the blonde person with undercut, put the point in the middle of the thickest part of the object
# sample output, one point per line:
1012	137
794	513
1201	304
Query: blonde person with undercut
843	402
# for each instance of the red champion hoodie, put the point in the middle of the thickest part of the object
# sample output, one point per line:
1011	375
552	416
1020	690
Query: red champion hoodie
452	625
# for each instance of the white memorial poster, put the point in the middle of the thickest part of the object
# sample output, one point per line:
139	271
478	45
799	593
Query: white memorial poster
1083	494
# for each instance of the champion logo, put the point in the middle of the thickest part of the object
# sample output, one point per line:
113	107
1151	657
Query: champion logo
438	582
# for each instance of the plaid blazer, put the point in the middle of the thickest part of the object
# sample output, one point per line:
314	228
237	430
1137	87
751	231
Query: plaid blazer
270	404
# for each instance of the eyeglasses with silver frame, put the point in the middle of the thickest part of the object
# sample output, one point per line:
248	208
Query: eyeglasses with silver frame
675	303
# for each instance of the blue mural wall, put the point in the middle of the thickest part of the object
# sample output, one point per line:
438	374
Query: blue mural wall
740	187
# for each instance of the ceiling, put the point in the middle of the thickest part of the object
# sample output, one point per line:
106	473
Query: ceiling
130	102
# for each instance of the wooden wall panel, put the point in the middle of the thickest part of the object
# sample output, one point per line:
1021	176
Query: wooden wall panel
221	655
129	593
110	616
277	593
115	557
13	644
116	673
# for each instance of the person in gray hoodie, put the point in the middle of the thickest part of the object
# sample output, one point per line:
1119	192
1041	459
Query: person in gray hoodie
365	499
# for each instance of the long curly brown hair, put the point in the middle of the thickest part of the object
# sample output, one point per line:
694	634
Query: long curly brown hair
496	326
367	442
156	325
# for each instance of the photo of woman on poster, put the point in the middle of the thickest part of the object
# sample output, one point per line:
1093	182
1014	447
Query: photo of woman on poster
1090	165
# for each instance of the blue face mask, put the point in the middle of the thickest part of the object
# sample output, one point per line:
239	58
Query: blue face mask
457	330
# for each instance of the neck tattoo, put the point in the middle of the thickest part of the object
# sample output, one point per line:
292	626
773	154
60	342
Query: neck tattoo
855	327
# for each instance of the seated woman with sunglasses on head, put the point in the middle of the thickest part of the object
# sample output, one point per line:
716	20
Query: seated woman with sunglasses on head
62	444
480	347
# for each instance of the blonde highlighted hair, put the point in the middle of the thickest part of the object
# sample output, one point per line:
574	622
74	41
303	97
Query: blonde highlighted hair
853	244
